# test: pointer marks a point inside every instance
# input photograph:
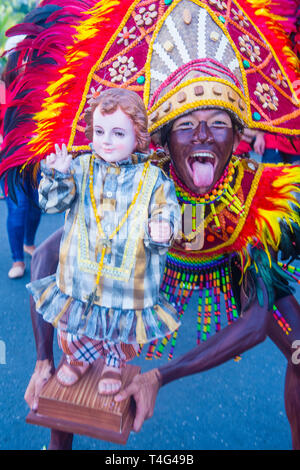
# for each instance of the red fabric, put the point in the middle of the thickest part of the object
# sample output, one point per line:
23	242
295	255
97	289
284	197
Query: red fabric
282	143
243	147
2	106
268	197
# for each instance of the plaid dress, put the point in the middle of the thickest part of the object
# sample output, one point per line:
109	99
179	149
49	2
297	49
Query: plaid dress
127	306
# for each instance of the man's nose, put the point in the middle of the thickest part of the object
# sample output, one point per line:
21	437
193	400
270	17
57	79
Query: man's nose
202	132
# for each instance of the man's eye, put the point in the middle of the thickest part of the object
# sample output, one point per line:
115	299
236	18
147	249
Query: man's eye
185	125
219	124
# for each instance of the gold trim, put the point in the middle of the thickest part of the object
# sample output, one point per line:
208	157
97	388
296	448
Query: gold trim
215	90
93	69
242	220
224	104
225	32
272	51
122	272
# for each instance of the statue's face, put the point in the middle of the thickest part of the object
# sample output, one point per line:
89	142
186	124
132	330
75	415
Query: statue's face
200	145
114	136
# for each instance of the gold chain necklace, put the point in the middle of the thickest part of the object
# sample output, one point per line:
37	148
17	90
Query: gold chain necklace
106	241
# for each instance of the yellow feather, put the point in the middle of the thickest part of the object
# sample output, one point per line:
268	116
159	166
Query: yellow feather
85	29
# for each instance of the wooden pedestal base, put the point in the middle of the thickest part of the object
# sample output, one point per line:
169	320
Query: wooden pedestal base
80	409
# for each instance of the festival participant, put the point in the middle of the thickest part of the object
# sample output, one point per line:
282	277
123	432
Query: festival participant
202	68
126	211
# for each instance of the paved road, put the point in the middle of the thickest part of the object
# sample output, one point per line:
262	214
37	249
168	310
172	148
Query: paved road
236	406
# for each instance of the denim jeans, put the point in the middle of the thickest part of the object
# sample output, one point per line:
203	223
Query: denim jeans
23	219
277	156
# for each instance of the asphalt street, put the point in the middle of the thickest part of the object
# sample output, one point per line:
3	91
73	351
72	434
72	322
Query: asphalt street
237	406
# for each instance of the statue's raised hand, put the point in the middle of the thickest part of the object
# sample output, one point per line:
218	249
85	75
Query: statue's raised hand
60	160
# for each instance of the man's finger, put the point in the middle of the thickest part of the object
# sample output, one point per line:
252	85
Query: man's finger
126	392
35	403
29	396
139	418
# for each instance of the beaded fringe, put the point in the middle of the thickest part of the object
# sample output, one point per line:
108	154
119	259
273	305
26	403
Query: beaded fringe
211	280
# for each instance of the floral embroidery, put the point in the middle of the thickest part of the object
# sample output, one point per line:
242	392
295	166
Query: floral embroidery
145	17
94	94
266	96
248	46
125	35
280	79
122	68
240	17
221	5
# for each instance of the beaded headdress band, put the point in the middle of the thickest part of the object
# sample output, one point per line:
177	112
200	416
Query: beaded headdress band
177	54
185	54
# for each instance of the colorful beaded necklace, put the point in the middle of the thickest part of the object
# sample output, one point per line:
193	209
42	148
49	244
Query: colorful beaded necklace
221	192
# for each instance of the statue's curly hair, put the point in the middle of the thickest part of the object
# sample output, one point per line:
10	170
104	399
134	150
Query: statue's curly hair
130	103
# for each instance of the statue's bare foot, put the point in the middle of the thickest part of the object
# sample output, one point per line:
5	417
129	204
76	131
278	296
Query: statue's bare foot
110	381
69	374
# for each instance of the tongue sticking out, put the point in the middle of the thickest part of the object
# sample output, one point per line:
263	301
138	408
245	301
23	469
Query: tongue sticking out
203	173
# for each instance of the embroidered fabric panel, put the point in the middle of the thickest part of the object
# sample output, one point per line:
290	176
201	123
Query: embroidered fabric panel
139	216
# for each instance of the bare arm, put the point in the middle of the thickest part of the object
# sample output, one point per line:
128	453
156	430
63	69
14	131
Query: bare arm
249	330
44	262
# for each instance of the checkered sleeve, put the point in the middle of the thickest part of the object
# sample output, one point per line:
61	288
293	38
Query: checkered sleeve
57	190
164	206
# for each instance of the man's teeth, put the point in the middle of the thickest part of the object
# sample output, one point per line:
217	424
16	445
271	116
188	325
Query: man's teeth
204	156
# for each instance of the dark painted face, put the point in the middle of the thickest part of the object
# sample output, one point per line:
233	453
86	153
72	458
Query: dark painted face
200	145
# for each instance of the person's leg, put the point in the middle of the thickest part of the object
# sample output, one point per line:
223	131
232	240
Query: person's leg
291	159
290	309
33	217
15	223
272	156
44	263
60	440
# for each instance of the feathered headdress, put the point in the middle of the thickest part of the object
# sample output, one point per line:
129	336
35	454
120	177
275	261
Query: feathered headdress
176	54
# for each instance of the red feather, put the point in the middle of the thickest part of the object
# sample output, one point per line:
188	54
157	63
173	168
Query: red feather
277	21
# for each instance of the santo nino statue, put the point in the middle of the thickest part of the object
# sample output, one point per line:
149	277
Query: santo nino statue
238	215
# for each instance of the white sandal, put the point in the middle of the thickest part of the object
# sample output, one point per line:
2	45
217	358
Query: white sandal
16	271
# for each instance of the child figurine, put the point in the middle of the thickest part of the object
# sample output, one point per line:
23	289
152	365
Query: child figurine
122	215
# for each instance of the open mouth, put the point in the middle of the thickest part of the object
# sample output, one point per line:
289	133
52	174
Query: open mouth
202	168
202	157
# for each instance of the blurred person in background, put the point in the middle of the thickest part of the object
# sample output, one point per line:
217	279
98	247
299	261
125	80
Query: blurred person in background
23	213
277	148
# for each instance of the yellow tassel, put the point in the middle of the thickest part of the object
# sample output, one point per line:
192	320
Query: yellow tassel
141	336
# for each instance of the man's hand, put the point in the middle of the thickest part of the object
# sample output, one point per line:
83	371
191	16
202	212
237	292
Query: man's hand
60	160
248	135
42	373
144	389
159	231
